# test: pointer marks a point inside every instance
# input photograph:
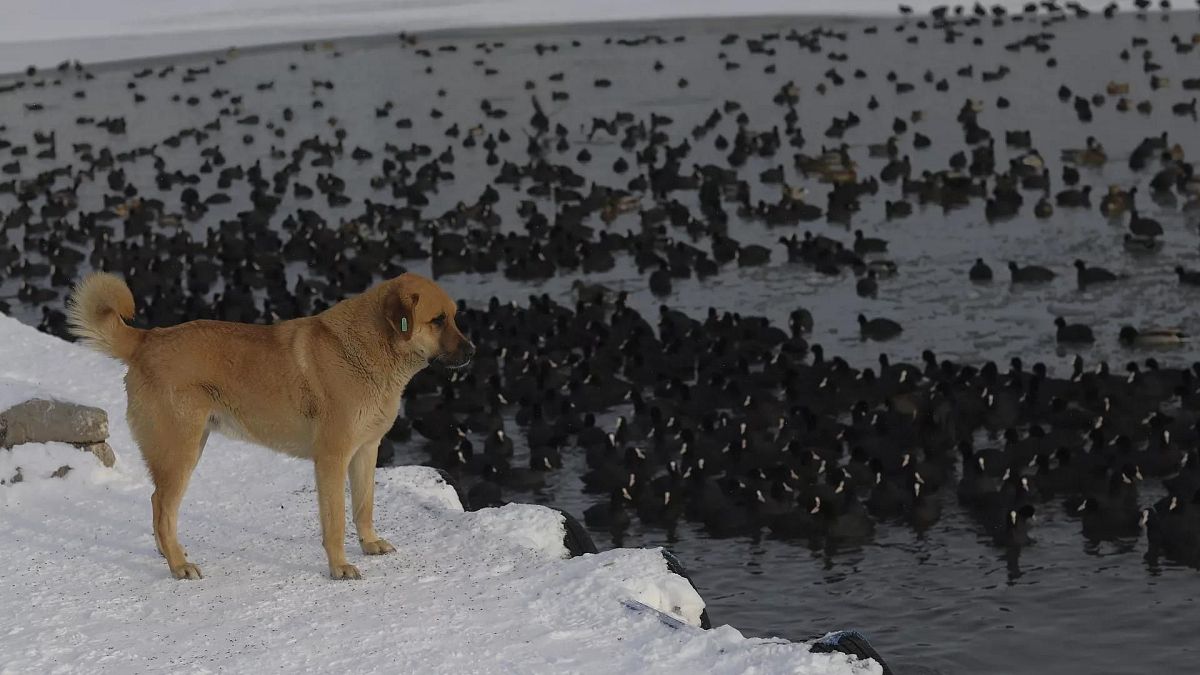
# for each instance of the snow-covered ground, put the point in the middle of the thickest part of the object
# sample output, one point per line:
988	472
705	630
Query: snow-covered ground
46	32
83	589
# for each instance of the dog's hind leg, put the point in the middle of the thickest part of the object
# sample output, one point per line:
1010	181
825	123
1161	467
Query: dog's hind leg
171	443
362	499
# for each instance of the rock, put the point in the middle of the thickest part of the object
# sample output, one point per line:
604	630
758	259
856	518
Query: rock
675	565
102	450
43	420
576	539
61	471
28	415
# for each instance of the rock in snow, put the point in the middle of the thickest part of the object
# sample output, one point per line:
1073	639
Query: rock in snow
42	421
28	415
483	592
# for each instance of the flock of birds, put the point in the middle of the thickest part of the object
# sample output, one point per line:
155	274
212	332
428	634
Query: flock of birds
741	426
728	420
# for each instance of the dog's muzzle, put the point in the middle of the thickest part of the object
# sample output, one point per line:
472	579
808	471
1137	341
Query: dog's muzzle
457	359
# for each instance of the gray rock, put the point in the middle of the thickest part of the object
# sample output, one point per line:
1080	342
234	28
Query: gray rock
43	421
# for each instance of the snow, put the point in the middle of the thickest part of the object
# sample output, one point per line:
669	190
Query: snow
46	32
484	592
13	392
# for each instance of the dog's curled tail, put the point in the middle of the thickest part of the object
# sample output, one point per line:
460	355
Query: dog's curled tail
97	311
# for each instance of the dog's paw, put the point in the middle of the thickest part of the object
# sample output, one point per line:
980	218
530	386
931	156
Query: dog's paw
346	571
377	547
187	571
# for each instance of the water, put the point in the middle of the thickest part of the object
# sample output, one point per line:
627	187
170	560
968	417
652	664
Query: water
945	600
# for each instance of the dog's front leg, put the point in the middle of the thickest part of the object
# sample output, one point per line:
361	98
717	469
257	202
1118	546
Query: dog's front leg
362	499
332	464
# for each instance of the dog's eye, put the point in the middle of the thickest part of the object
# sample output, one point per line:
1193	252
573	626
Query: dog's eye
439	320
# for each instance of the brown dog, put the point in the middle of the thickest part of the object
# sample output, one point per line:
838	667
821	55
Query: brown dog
324	387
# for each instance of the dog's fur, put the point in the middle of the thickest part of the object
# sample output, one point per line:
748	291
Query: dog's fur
325	387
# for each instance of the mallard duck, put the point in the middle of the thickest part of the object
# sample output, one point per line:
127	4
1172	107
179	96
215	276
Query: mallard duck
1151	337
1092	155
1033	161
793	193
1115	203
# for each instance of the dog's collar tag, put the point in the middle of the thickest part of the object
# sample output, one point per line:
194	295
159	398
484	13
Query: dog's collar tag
403	324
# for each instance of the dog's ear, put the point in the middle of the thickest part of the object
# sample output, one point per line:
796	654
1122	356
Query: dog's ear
400	312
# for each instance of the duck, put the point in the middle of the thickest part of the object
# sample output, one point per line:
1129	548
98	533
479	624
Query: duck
1140	226
878	329
867	287
1087	276
1187	108
1071	197
844	519
36	295
883	268
1012	528
1001	207
519	478
800	320
887	498
487	492
660	280
498	444
1173	527
1043	208
1115	203
1074	333
753	255
1187	277
799	521
1151	337
772	176
1030	274
1091	155
611	515
894	210
1113	512
1142	245
924	509
864	245
980	271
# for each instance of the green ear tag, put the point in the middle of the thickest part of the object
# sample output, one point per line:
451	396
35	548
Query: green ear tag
403	324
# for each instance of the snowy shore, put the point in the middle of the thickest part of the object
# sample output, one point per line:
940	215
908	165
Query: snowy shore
489	591
46	32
